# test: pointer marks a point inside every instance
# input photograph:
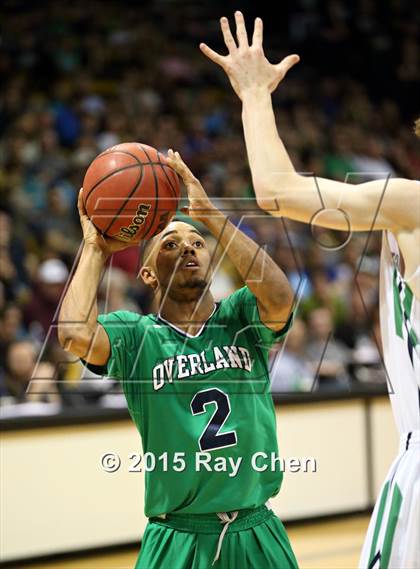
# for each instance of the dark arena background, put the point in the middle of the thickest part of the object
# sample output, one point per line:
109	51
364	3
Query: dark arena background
79	77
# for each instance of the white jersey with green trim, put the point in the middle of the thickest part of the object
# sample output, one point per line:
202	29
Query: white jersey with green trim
400	330
392	536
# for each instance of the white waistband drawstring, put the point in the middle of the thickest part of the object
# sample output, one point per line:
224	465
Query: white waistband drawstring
224	519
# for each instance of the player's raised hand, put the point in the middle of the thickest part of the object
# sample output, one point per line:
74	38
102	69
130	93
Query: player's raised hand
92	236
200	207
246	65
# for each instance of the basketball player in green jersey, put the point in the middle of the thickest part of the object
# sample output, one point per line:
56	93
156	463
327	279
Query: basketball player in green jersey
391	205
196	381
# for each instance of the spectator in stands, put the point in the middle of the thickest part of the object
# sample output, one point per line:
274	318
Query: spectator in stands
12	270
329	357
11	326
113	292
39	313
289	371
325	295
19	371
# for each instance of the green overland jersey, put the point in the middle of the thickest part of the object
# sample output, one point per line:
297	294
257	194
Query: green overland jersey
202	405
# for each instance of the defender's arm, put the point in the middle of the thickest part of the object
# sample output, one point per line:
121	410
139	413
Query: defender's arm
385	204
391	203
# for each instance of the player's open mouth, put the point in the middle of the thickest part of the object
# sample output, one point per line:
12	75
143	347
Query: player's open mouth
191	265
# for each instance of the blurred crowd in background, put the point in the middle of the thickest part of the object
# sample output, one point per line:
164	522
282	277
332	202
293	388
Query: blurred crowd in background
80	77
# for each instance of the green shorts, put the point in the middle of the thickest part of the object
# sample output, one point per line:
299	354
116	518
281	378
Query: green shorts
255	540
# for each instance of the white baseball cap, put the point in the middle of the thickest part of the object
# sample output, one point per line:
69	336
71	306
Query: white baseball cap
53	271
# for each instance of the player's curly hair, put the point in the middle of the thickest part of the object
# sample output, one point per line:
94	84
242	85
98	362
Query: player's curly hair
417	127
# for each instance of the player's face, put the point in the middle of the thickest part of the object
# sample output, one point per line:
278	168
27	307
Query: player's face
182	261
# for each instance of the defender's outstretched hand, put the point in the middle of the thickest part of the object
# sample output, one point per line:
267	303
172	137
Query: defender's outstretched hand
246	65
200	207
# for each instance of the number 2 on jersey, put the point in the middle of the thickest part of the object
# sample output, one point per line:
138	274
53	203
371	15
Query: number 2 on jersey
210	439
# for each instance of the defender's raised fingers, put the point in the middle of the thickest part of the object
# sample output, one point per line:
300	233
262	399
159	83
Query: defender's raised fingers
257	38
287	63
227	34
241	30
211	54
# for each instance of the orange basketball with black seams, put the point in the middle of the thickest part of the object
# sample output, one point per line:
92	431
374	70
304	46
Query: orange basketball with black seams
130	193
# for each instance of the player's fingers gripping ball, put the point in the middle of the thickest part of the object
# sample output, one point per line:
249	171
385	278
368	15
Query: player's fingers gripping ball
200	207
130	192
176	162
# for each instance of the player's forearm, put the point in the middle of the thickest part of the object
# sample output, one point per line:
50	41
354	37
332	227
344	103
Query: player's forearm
279	189
78	313
266	151
259	272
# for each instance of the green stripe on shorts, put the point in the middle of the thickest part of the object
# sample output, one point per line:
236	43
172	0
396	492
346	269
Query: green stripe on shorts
390	528
378	524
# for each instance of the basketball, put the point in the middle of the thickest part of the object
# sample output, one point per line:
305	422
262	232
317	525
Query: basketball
130	193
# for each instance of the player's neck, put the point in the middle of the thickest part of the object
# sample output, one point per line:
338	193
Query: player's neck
188	316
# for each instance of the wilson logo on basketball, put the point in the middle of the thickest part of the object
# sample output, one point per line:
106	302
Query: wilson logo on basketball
128	233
